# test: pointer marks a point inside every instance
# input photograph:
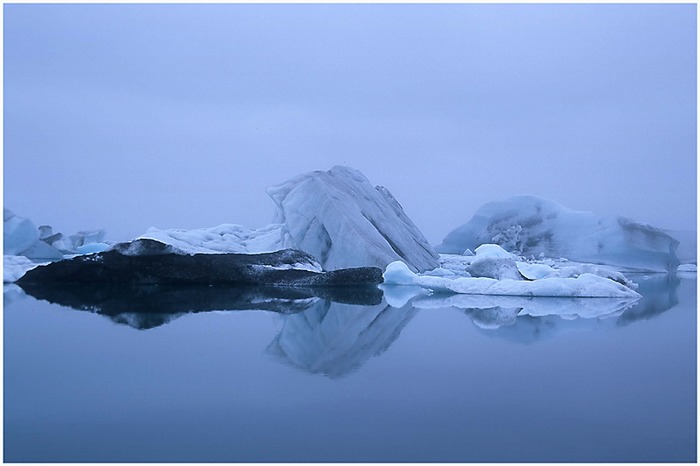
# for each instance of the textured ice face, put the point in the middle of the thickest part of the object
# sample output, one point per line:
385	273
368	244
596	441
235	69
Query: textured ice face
530	226
341	219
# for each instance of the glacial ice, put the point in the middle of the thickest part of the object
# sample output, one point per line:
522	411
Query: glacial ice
342	220
531	226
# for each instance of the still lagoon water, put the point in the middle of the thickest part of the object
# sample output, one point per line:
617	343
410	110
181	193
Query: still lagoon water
263	375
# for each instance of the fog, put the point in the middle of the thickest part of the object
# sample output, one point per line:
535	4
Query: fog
178	116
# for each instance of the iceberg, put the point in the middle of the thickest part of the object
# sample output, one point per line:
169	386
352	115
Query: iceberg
531	226
343	221
336	215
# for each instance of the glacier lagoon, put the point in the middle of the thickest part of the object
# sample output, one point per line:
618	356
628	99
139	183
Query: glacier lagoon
351	378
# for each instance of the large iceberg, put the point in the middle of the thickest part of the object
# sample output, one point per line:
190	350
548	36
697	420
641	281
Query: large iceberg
337	216
344	221
531	226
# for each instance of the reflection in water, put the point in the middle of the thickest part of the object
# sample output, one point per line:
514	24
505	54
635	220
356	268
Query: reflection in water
527	320
334	331
336	339
659	294
148	306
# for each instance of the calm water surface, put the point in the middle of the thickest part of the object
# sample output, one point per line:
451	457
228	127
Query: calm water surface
328	379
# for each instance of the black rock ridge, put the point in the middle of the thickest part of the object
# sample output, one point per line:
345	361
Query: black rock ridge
150	262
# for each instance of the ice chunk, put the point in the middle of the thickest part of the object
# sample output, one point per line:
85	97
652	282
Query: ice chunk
492	261
528	225
19	233
687	268
586	285
92	248
341	219
84	237
492	250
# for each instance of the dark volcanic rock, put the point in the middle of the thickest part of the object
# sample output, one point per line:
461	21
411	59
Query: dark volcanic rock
150	262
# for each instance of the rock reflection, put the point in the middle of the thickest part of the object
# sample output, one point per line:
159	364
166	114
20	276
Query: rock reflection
148	306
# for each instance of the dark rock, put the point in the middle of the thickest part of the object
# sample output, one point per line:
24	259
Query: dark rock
150	262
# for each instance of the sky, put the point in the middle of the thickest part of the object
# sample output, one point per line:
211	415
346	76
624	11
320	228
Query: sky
127	116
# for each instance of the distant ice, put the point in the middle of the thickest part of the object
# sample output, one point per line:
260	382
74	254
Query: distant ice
22	238
530	226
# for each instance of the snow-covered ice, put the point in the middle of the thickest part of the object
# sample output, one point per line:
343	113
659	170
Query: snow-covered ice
344	221
13	267
585	285
527	225
226	238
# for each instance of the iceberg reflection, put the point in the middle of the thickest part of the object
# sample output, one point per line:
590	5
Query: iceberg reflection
335	339
334	331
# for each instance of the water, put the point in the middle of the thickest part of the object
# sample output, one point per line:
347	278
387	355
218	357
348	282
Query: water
329	379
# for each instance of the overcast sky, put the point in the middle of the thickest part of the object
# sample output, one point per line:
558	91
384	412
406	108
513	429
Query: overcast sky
178	116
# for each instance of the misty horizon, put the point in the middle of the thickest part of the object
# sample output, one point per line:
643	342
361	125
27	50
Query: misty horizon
125	117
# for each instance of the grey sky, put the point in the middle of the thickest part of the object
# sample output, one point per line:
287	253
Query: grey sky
178	116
